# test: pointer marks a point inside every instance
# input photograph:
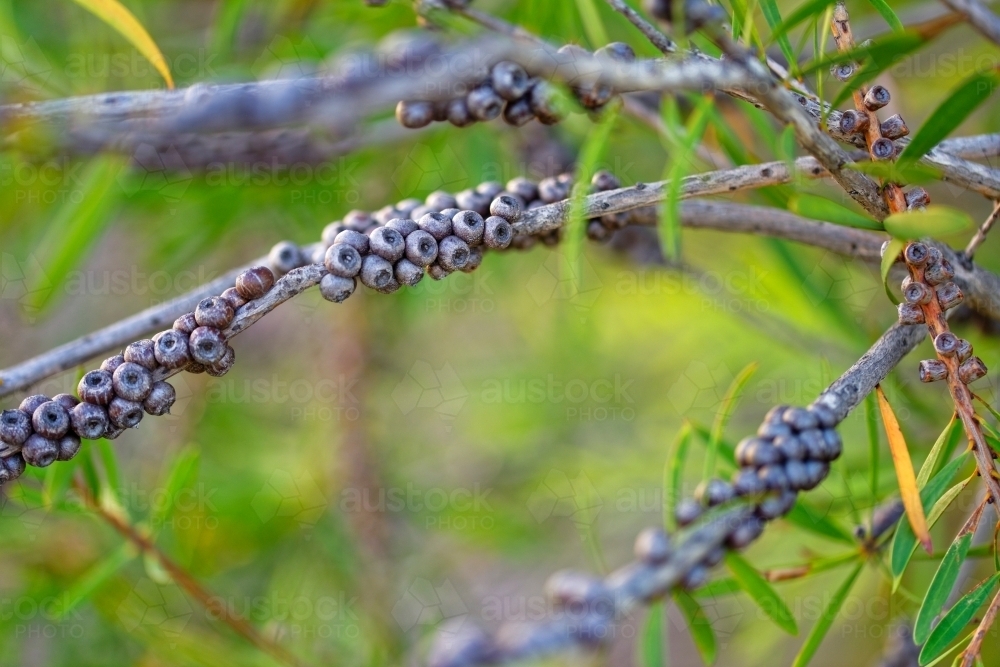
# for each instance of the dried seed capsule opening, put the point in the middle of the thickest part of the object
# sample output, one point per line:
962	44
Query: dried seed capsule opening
876	98
883	149
946	344
917	293
915	254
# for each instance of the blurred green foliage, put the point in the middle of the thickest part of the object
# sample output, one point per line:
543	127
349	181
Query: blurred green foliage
369	469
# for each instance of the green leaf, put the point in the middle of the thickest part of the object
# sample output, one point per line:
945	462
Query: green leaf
701	628
805	11
888	259
934	221
883	51
592	23
673	473
57	481
821	208
950	114
940	587
182	471
761	591
927	468
773	18
726	409
804	516
651	642
825	622
913	174
956	619
718	588
904	541
93	578
121	19
883	8
670	220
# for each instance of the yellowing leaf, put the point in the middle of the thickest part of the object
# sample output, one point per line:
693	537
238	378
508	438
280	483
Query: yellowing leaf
121	19
904	472
933	221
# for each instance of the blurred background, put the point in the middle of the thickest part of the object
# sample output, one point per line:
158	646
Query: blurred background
369	469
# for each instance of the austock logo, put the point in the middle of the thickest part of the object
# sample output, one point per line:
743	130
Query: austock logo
424	387
23	65
24	282
157	608
426	168
151	169
834	279
557	280
285	59
288	496
424	604
559	496
700	387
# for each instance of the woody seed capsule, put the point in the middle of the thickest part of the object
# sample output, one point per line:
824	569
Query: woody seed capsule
211	312
67	447
132	382
939	272
124	414
342	260
404	226
376	272
713	492
40	451
15	427
915	254
185	324
745	533
949	295
773	477
687	512
206	345
964	350
437	272
498	233
853	122
414	114
387	243
917	293
523	188
971	370
407	273
475	260
335	288
910	313
883	149
506	207
653	546
421	248
233	298
285	256
469	226
223	365
96	387
518	112
917	198
458	114
172	350
89	421
255	282
50	420
68	401
436	224
894	127
471	200
747	483
440	200
777	505
453	253
484	103
932	370
509	80
876	98
141	352
946	344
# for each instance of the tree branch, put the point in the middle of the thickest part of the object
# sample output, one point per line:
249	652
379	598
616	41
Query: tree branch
982	20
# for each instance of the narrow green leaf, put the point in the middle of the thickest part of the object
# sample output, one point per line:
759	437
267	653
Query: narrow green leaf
182	471
673	473
680	160
652	651
804	11
726	449
904	541
883	8
701	628
950	114
729	402
761	591
930	463
804	516
935	220
592	23
825	622
93	578
821	208
940	587
879	52
773	18
911	174
718	588
888	259
956	619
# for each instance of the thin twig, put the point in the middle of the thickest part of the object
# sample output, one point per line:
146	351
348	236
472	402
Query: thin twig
655	37
211	603
983	230
979	17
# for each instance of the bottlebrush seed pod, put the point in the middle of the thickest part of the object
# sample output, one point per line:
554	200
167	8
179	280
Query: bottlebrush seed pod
223	365
617	51
376	272
440	200
894	127
124	414
824	415
330	232
799	419
653	546
604	180
834	445
971	370
404	226
469	226
932	370
474	201
50	420
567	587
797	474
745	533
551	190
498	233
335	288
437	272
436	224
39	451
382	216
11	467
542	99
964	350
453	253
96	387
184	324
421	248
713	492
747	483
939	272
518	112
596	231
687	512
917	198
342	260
773	477
387	243
509	80
206	345
89	421
853	122
524	188
15	427
484	103
917	293
714	557
255	282
910	313
141	352
285	256
946	344
790	447
876	98
915	254
475	260
949	295
764	453
355	239
32	403
843	71
883	149
132	382
458	113
407	273
68	401
172	350
67	447
777	505
414	114
211	312
233	298
816	472
814	443
407	206
506	207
